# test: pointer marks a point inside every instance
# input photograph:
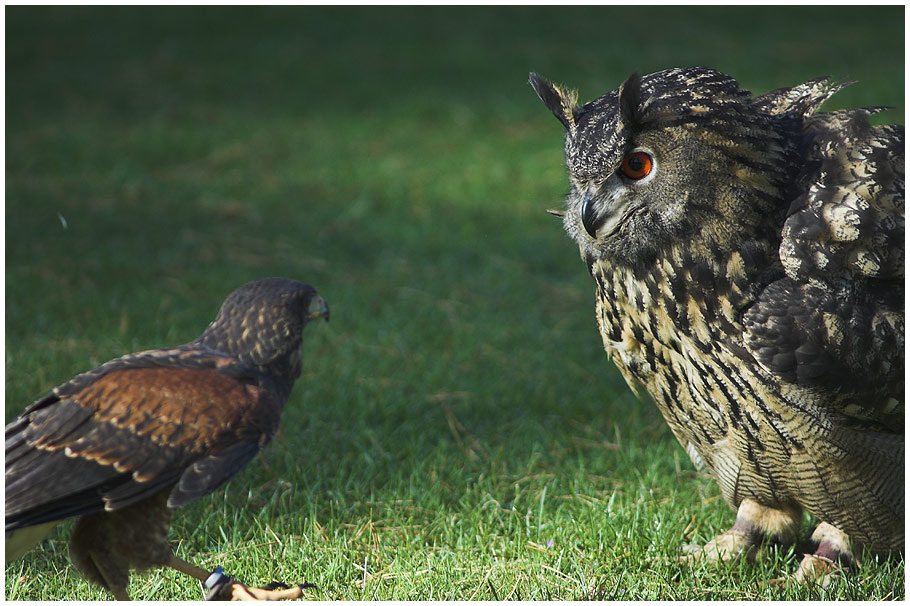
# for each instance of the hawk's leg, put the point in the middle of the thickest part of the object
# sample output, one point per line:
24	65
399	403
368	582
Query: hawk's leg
96	551
115	579
754	525
189	568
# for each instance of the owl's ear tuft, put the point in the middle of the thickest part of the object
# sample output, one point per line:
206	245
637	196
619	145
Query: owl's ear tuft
629	101
563	103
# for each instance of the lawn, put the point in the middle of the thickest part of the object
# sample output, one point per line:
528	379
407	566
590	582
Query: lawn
458	432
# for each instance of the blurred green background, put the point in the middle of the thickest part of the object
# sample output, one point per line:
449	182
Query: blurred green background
396	159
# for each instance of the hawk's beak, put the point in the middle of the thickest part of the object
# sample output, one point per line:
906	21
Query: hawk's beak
318	309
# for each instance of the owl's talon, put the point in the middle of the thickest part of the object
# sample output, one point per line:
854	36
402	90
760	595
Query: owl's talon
813	570
816	570
722	548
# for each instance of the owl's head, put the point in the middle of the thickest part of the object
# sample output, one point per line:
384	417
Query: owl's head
678	154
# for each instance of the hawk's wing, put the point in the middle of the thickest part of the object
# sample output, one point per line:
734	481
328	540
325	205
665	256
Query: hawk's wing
133	427
835	322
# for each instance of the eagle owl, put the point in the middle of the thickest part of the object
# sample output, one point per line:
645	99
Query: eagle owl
749	267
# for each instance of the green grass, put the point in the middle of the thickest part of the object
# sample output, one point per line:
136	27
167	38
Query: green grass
458	432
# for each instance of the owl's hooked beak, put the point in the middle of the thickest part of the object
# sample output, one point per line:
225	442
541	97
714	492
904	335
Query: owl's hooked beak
589	214
602	211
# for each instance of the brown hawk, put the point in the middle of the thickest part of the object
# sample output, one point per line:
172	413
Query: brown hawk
748	256
123	445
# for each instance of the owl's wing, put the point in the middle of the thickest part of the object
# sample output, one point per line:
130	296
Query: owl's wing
835	322
131	428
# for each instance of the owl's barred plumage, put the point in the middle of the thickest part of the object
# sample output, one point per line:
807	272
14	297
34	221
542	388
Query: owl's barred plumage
123	445
752	283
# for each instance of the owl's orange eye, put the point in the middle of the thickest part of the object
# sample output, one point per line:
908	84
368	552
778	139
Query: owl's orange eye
637	165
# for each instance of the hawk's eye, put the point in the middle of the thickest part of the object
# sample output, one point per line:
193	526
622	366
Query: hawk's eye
637	165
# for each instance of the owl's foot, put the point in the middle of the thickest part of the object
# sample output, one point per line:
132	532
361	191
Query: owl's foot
831	559
814	569
833	556
222	587
722	548
755	524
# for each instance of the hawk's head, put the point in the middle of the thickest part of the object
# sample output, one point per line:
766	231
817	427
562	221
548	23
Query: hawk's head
262	323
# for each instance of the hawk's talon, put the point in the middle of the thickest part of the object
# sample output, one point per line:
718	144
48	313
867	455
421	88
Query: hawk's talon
242	593
276	585
222	587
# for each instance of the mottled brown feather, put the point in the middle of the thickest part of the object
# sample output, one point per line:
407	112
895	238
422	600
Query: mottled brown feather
137	423
189	407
